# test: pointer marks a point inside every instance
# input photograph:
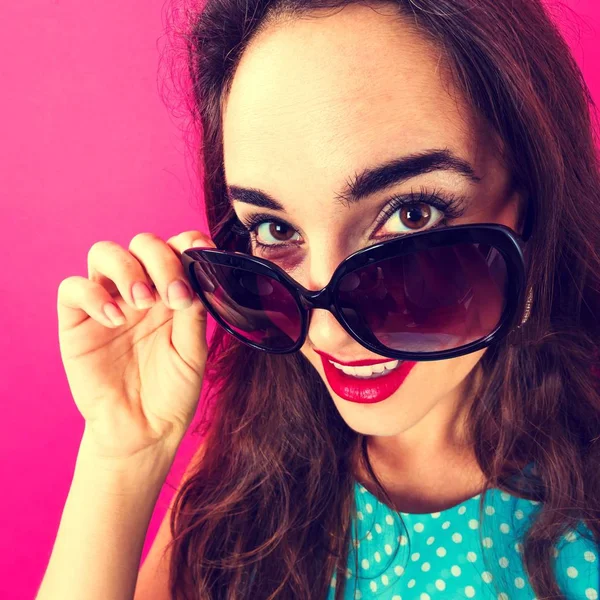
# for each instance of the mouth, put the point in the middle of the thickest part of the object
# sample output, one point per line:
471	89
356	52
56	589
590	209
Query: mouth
366	384
367	371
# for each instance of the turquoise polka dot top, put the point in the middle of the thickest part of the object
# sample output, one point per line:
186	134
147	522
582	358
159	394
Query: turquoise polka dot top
439	555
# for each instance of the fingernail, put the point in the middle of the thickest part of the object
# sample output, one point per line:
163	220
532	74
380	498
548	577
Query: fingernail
179	295
142	296
113	314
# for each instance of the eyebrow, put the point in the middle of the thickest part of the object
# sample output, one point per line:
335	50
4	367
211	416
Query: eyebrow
374	179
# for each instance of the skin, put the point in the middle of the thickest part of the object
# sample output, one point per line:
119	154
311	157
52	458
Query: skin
313	102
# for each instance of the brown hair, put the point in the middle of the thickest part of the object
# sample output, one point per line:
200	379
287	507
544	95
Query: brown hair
267	512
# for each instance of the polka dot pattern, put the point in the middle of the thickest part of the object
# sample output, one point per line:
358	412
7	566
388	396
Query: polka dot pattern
439	555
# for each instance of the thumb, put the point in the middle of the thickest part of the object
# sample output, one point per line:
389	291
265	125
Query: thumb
188	334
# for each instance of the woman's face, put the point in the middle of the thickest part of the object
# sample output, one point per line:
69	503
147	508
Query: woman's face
314	103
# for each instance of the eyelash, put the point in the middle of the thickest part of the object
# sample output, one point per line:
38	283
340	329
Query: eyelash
452	206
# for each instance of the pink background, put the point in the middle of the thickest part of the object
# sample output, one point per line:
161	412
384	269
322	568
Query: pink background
89	152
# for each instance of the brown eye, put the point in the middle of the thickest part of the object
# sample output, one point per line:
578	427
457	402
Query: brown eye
415	216
419	216
272	233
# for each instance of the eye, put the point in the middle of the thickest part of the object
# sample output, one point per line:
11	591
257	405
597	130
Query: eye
419	211
411	217
269	233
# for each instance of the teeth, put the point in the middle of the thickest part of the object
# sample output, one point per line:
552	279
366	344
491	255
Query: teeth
367	371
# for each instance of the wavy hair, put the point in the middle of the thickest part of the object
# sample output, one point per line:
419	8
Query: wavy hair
267	512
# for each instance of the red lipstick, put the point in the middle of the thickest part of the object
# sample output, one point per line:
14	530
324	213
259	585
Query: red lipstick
364	390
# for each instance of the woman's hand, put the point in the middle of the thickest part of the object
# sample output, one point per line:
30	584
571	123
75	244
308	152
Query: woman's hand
136	384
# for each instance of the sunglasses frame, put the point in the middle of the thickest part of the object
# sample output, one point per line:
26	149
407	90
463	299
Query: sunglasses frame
501	237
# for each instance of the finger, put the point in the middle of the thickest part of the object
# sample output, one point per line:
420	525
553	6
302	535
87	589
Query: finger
189	326
117	270
79	299
161	260
189	239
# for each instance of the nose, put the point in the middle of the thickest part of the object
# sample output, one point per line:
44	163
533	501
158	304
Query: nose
325	333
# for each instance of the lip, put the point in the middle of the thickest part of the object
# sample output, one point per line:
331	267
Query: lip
365	391
353	363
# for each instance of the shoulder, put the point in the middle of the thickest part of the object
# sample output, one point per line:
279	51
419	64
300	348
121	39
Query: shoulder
577	566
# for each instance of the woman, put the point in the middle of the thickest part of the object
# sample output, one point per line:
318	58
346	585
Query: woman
427	426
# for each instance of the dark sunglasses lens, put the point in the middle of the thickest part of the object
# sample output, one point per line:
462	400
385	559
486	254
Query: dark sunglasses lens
257	307
431	300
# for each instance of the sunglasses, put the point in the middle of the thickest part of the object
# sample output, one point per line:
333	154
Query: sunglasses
431	295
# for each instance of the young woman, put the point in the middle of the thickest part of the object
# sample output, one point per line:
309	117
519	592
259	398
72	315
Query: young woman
404	205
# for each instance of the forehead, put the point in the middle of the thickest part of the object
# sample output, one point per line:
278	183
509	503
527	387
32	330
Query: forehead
325	96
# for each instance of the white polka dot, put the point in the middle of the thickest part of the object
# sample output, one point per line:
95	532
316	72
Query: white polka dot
487	542
441	551
377	557
486	576
389	520
358	595
504	528
384	579
519	582
490	510
369	535
388	549
502	596
357	543
591	594
570	536
403	540
455	570
462	510
440	584
456	538
519	514
471	556
333	581
469	591
411	583
378	528
446	524
425	566
430	540
419	527
424	596
369	508
435	515
415	556
373	586
399	570
473	523
503	562
572	572
519	547
504	496
348	573
396	597
360	515
589	556
365	563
